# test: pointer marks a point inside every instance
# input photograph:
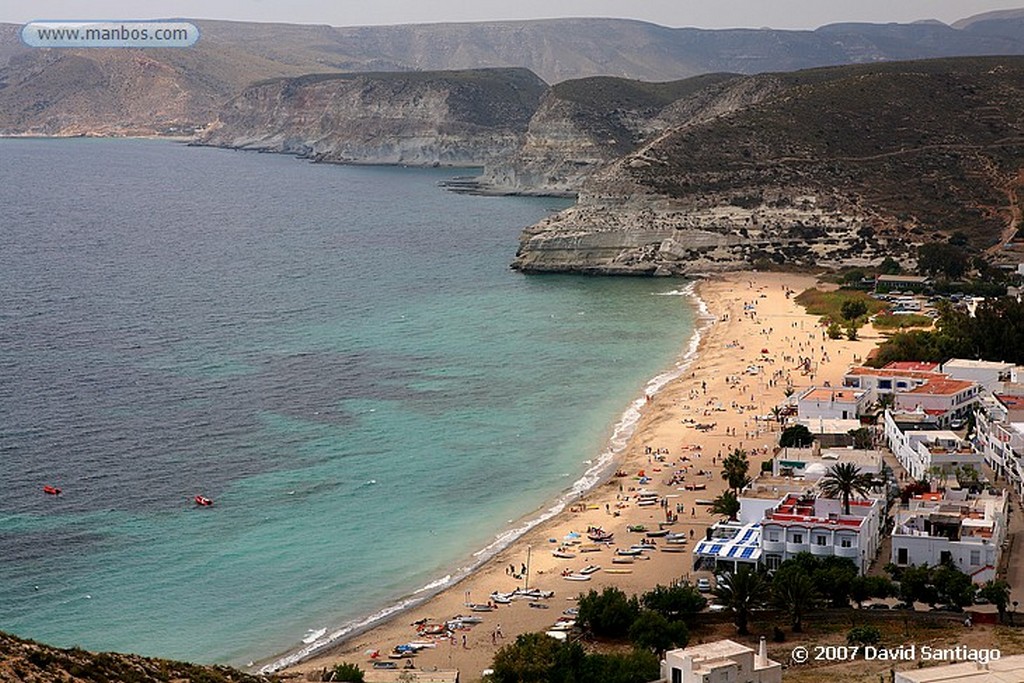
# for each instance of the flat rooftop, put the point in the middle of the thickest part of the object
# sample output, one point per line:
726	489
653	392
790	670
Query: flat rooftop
968	364
822	394
917	366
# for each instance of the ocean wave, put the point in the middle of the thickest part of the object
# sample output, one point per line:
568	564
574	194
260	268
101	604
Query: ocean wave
599	470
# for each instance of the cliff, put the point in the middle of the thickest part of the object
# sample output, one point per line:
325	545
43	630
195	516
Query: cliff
25	661
823	167
457	118
172	92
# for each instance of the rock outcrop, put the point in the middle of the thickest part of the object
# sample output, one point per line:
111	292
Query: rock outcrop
826	167
452	118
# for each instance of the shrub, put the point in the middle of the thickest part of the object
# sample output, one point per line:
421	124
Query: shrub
863	635
346	672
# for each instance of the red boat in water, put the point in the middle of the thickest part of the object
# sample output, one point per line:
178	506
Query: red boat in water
203	501
52	490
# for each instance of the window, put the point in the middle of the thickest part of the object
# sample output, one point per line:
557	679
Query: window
822	540
677	675
975	557
773	536
798	538
901	385
772	561
901	556
885	384
846	542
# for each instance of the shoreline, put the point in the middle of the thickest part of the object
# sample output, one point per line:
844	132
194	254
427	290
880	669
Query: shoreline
753	313
600	472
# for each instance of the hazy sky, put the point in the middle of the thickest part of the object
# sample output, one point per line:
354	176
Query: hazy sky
700	13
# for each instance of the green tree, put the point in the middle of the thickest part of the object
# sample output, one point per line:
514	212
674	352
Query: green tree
997	592
851	332
346	672
853	309
937	258
609	613
953	586
638	666
797	436
538	658
844	480
652	631
861	438
735	469
834	331
794	592
741	592
727	505
889	266
679	601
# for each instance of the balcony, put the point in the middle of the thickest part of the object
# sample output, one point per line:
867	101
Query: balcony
851	552
821	550
772	546
794	548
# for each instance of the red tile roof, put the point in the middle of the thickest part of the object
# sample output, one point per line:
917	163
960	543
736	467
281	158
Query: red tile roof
911	365
1011	401
942	387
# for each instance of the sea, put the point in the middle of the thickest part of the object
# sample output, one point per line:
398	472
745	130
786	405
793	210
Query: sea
338	356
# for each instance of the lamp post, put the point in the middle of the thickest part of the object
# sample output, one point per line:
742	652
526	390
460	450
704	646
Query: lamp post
526	578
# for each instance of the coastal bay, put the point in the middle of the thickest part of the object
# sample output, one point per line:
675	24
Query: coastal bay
715	388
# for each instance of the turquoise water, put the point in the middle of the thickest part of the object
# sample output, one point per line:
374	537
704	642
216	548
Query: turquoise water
338	356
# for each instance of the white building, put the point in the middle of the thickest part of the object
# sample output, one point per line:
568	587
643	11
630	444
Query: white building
827	403
813	463
919	451
1002	445
723	661
986	373
816	525
952	527
996	670
934	394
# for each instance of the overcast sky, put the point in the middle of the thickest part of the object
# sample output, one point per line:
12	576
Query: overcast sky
800	14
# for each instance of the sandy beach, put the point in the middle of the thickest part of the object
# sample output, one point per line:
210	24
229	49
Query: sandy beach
746	358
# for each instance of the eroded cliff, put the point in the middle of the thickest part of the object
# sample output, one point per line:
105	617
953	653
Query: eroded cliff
457	118
825	167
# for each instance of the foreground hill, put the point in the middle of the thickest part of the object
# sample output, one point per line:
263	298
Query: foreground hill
822	167
25	661
173	92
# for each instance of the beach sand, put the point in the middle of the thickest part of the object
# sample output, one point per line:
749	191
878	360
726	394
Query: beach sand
716	389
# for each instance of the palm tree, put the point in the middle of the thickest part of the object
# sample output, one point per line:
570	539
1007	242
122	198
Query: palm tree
795	593
741	592
735	468
844	480
777	413
727	505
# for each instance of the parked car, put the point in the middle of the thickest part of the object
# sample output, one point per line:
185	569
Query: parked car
703	585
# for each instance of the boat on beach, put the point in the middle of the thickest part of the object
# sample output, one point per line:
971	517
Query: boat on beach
577	577
623	560
562	554
657	534
589	548
590	569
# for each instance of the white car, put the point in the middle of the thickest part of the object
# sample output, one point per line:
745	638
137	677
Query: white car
703	585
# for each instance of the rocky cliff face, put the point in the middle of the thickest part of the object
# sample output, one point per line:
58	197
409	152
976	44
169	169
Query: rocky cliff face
826	167
458	118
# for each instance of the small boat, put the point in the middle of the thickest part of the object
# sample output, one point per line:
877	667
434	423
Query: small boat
620	571
632	552
537	593
312	635
502	599
657	534
590	569
636	527
577	577
695	487
51	490
562	554
646	502
674	549
434	629
478	607
622	560
600	536
203	501
589	548
563	625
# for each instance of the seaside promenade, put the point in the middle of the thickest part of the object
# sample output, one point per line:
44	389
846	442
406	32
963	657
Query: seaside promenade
747	357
